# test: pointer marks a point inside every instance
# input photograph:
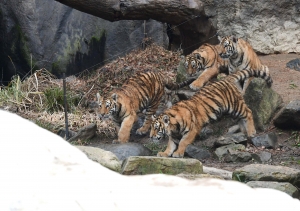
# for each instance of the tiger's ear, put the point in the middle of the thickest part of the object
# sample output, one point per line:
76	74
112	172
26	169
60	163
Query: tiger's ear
234	38
166	120
153	117
197	56
114	96
220	38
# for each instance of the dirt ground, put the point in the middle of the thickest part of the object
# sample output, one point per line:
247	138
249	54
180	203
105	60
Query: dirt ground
286	82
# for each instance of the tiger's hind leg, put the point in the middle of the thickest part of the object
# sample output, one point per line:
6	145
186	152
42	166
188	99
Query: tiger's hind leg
247	124
204	78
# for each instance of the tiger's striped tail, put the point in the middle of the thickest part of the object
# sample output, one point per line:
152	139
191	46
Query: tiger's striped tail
244	74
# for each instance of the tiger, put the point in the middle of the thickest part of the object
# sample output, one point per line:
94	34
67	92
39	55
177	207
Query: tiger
186	118
206	58
240	56
143	91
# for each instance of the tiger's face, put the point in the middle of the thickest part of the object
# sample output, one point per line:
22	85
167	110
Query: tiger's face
104	106
194	63
191	65
228	47
159	127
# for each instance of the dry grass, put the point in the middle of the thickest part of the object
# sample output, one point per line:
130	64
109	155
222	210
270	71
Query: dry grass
27	98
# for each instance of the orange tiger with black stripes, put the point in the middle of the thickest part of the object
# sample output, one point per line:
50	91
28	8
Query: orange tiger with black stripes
240	56
144	91
206	59
186	118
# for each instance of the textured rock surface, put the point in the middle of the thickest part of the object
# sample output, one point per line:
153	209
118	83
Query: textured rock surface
217	172
269	26
157	165
123	151
105	158
289	116
261	172
282	186
268	140
263	102
37	33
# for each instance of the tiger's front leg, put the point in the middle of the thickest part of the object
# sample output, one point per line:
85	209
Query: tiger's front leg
187	139
169	150
204	78
124	131
148	119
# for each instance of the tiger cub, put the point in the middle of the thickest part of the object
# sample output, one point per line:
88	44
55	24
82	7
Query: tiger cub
206	59
144	91
186	118
240	56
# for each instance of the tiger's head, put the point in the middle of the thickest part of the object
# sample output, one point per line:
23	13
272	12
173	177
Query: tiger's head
104	106
193	64
159	127
228	46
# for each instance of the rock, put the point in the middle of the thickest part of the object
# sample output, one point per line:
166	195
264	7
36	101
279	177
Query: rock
198	176
263	102
84	133
56	37
62	133
123	151
282	186
227	175
289	116
136	165
44	172
237	156
267	140
269	26
223	151
197	152
261	172
237	138
261	157
294	64
105	158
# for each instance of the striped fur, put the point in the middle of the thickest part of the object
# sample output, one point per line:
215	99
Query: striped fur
145	90
186	118
240	56
206	59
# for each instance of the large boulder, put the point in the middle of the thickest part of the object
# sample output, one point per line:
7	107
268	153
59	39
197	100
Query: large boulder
261	172
289	116
140	165
105	158
269	26
41	171
263	102
47	34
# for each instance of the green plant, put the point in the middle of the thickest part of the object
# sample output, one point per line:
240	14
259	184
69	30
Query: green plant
155	147
55	99
12	93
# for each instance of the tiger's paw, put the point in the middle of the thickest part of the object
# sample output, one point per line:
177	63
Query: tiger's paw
162	154
177	155
193	87
141	131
